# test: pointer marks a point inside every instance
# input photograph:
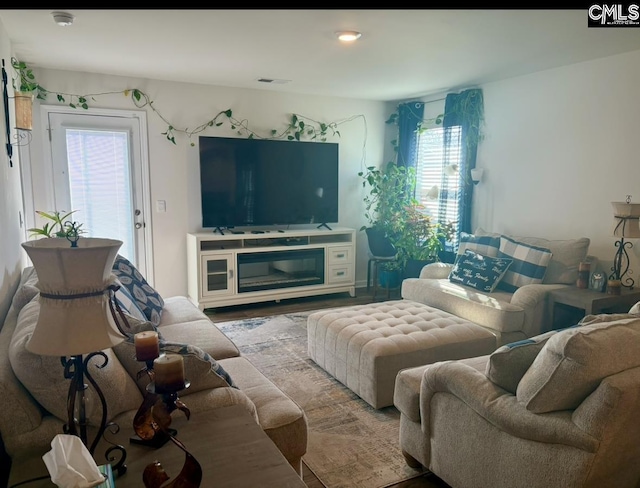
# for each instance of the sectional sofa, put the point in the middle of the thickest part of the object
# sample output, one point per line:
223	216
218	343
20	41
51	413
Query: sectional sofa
34	391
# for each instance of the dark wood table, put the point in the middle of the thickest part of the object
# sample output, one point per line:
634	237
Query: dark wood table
231	448
591	301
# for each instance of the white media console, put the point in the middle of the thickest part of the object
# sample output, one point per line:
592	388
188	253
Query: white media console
234	269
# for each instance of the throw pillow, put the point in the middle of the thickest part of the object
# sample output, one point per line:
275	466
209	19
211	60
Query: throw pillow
573	362
148	299
529	264
508	364
43	376
201	370
127	303
479	272
606	317
567	255
485	245
28	289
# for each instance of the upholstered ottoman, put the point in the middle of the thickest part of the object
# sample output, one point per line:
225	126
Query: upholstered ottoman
365	346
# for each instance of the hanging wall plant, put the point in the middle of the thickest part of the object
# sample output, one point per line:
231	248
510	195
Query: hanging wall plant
298	127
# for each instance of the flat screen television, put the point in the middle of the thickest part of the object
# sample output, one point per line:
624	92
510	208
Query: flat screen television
263	182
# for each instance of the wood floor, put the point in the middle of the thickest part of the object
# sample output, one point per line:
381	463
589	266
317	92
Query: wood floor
239	312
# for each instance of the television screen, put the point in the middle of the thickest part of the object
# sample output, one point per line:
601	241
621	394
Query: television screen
254	182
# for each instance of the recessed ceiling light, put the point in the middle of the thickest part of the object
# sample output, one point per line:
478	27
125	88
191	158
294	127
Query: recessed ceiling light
63	18
348	36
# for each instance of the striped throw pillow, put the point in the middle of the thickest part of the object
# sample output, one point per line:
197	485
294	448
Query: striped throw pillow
485	245
529	264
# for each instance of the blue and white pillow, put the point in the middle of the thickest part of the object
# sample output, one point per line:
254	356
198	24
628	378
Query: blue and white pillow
480	272
529	263
485	245
147	299
127	303
195	355
201	370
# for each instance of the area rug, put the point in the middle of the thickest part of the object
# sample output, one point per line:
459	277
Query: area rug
350	443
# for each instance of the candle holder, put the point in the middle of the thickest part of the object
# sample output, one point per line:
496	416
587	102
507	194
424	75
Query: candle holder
147	432
190	475
153	419
170	402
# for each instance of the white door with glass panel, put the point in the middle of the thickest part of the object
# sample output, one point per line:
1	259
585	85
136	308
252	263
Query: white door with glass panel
98	171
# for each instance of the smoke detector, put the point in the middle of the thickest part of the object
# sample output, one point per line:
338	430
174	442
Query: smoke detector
63	19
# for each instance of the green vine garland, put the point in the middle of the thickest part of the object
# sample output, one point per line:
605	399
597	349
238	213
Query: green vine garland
298	128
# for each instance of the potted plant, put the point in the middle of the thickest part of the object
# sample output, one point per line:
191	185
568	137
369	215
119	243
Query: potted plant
418	239
25	85
60	226
388	194
390	274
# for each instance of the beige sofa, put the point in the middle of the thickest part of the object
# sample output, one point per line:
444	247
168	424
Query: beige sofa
557	410
34	408
510	315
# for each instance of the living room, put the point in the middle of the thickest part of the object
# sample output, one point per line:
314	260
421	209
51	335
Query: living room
557	143
559	147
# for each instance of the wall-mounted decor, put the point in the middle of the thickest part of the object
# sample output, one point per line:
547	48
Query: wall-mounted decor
23	116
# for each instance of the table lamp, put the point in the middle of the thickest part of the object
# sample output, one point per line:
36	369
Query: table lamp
77	319
626	215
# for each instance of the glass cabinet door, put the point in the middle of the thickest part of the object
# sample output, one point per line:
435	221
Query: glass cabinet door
217	274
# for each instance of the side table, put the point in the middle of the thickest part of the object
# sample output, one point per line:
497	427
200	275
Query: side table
591	301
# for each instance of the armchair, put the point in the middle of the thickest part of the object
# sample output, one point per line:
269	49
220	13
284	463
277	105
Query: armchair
571	419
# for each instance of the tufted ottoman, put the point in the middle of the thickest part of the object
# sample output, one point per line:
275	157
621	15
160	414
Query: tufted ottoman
365	346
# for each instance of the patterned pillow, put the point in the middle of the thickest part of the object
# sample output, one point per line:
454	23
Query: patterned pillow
485	245
148	299
199	356
127	303
477	271
201	370
529	264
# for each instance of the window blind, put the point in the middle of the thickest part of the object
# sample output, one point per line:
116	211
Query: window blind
438	164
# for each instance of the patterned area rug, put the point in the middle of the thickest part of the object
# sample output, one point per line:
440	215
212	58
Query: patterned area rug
350	443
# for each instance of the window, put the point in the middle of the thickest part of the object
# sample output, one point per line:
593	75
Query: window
438	182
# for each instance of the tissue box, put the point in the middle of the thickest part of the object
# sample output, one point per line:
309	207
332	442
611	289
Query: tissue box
105	469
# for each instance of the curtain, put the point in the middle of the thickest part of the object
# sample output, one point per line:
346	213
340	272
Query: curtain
409	119
465	110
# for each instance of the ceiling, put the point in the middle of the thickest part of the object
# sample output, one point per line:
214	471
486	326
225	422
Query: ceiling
402	53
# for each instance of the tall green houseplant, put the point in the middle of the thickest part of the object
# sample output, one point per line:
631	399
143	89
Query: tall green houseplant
390	191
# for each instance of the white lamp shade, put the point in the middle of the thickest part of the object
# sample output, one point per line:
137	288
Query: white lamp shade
623	209
626	216
69	325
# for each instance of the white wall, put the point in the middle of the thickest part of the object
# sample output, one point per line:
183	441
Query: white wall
174	169
11	235
560	146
